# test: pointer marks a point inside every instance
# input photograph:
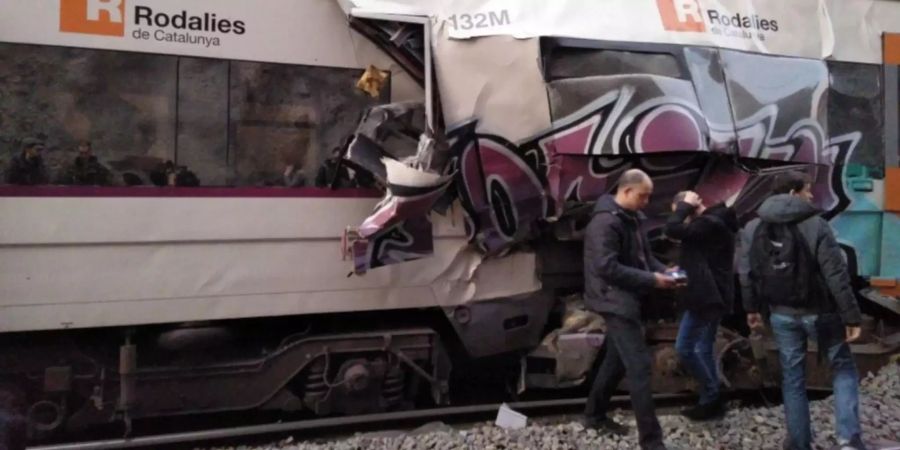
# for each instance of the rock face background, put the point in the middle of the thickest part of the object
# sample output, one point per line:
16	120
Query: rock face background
231	122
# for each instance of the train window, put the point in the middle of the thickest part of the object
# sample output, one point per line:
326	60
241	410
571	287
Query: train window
570	62
786	91
856	115
591	74
158	119
122	102
285	115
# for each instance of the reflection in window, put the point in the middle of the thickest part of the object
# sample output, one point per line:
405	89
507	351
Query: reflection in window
166	120
855	105
794	87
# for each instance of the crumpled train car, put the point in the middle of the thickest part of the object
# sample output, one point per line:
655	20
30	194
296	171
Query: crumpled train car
491	128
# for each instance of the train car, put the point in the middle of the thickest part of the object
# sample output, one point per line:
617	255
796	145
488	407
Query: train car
490	127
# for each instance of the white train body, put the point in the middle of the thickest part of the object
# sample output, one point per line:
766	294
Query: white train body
106	261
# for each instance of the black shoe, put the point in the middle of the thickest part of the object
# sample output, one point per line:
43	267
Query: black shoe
691	412
606	425
707	411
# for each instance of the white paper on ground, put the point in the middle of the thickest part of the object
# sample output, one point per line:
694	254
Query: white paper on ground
509	419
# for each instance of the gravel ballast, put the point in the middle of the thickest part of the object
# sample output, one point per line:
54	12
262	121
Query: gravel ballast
747	428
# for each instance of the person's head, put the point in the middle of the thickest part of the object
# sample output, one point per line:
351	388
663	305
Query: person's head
681	196
634	190
793	182
85	149
32	148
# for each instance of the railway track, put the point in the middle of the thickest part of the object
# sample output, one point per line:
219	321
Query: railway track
317	427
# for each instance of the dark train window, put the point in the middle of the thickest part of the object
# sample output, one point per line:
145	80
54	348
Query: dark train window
151	118
572	62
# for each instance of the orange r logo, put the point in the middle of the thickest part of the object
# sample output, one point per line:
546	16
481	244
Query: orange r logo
681	15
104	17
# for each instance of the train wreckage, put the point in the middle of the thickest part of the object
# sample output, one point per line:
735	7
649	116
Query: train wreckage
490	148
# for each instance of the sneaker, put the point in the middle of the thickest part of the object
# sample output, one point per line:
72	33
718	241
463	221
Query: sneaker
606	425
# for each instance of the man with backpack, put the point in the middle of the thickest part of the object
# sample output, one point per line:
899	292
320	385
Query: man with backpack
791	263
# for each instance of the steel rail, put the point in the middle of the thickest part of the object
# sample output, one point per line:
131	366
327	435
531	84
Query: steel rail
329	423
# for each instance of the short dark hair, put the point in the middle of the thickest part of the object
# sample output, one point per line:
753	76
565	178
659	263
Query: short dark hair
792	180
85	143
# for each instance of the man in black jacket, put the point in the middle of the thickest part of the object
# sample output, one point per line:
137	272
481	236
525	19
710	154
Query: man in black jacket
829	314
707	237
620	272
28	167
86	169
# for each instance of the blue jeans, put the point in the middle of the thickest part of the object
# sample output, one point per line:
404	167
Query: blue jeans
694	345
791	335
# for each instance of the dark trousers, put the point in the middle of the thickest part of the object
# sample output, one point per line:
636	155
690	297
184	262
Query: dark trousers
626	353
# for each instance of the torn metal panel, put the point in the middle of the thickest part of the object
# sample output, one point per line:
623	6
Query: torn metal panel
505	195
495	80
403	42
404	241
399	230
392	145
386	131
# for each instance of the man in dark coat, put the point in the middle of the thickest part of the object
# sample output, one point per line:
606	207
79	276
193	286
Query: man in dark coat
27	168
86	170
707	237
829	314
620	272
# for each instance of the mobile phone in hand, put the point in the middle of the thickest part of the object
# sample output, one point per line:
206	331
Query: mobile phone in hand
680	276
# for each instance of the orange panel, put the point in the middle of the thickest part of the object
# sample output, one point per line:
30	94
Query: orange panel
892	190
892	48
887	286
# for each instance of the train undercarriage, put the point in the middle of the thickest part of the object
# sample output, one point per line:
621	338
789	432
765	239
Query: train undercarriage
67	382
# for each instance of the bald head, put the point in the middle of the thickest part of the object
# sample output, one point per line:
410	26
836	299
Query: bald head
634	177
634	190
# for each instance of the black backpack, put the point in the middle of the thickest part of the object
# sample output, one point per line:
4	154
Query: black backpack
783	270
